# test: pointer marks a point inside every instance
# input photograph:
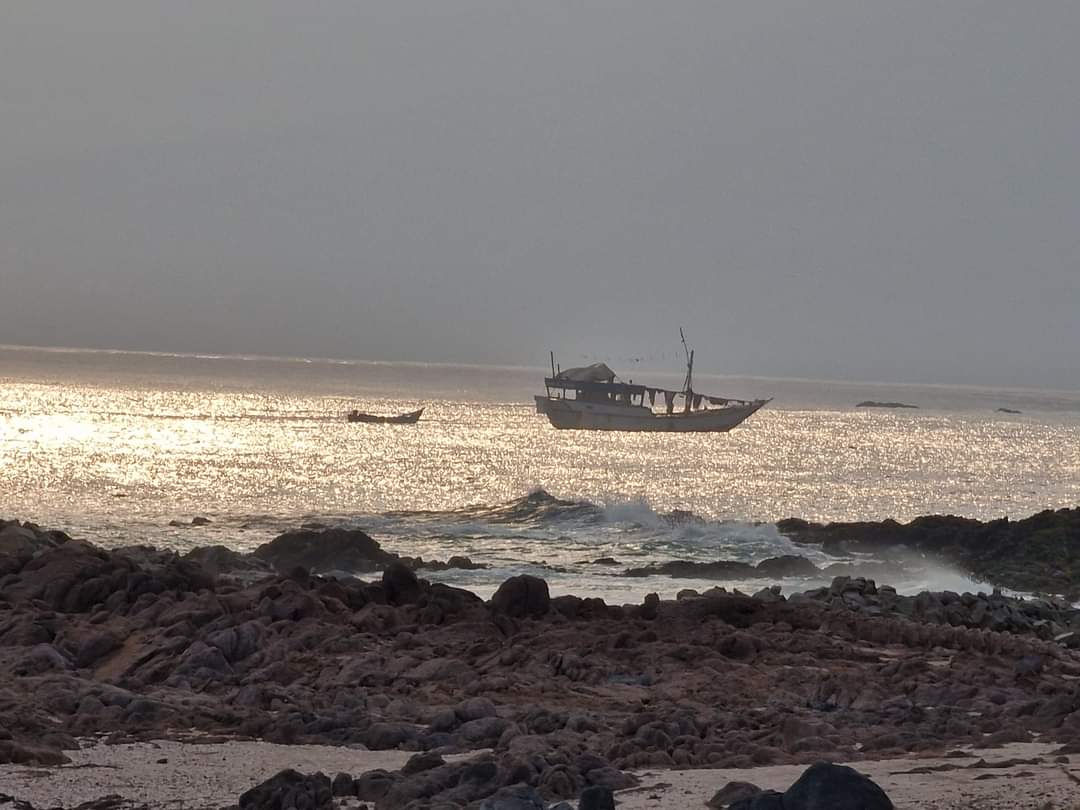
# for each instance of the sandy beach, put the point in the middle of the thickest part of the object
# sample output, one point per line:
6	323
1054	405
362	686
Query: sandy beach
164	774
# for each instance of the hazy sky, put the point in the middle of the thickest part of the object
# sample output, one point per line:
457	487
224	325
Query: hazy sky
868	190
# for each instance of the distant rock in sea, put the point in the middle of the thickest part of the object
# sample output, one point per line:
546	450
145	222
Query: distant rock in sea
869	403
1008	410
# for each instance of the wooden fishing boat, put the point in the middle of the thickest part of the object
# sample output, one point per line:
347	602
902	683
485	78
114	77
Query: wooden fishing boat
592	398
410	418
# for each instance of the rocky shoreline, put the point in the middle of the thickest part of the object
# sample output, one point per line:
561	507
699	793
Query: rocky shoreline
563	695
1040	553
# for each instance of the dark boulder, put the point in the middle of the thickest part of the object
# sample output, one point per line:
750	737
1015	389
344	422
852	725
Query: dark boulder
400	584
650	608
219	560
329	550
765	800
596	797
289	789
733	792
343	785
824	786
520	596
515	797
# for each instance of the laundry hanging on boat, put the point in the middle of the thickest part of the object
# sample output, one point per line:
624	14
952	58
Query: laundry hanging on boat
697	401
669	400
652	396
718	400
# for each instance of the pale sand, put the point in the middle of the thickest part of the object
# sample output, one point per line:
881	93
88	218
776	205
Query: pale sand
195	775
1019	787
198	775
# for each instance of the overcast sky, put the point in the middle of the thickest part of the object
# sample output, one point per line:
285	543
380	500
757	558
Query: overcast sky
863	190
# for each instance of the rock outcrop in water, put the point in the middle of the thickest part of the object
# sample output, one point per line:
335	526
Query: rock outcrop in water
772	568
315	550
1039	553
869	403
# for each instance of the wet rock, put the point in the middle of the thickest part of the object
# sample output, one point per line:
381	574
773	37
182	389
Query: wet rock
1039	553
722	569
327	550
788	565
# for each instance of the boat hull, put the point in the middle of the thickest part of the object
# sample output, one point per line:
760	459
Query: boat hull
404	419
569	414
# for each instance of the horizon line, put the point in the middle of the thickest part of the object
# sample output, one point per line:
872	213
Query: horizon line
354	361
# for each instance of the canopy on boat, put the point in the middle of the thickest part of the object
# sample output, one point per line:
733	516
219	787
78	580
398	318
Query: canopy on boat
597	373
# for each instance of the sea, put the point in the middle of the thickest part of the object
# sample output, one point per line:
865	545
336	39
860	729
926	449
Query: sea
127	448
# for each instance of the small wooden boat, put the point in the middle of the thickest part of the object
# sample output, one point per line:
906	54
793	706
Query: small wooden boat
410	418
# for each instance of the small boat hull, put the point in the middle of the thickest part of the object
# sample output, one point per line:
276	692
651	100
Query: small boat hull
410	418
569	414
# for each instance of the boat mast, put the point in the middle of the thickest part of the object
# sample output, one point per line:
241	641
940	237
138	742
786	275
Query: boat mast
689	365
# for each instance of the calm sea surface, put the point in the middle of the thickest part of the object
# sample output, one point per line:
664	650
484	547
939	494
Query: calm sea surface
113	446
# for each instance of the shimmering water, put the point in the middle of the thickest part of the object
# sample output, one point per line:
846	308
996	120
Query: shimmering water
114	446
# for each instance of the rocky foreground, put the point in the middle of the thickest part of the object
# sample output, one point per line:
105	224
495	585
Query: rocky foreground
565	695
